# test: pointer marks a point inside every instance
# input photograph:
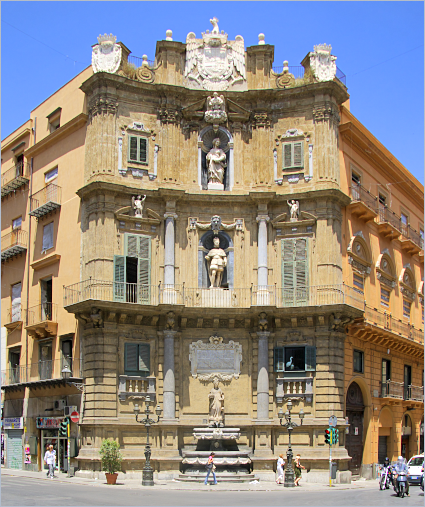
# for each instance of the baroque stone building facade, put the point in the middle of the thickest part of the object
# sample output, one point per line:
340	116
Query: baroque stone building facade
211	227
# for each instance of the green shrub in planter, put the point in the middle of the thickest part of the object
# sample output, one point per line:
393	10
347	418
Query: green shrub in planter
111	456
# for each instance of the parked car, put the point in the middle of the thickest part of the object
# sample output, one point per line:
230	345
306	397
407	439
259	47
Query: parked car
415	464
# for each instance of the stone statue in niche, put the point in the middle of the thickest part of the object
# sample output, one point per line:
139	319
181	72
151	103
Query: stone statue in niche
217	261
215	112
294	208
216	163
216	398
137	204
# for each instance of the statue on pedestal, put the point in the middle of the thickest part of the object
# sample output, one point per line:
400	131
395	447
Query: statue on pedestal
294	207
216	163
216	398
137	204
217	261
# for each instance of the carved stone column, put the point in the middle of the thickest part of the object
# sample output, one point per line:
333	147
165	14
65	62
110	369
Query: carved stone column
169	398
263	375
169	248
262	274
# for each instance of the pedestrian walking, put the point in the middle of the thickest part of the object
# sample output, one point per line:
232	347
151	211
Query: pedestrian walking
210	468
298	467
50	459
279	470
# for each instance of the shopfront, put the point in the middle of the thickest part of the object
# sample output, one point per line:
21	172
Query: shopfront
13	427
49	434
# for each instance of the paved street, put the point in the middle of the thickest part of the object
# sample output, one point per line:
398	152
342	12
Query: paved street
23	490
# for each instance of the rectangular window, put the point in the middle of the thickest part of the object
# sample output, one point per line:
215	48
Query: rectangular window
293	155
54	119
404	222
295	287
293	359
47	237
50	175
406	308
137	359
358	282
358	360
16	223
16	302
385	377
14	365
355	178
407	381
385	297
138	149
132	270
382	200
66	349
45	363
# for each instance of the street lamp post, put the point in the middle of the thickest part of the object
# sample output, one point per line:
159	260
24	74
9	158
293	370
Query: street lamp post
289	425
147	479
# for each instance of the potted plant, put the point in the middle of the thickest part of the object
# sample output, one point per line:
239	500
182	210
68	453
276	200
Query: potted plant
111	459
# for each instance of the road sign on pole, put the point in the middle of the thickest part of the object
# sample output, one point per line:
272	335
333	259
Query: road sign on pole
332	421
75	417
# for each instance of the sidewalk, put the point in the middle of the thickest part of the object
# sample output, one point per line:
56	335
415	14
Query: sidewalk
182	486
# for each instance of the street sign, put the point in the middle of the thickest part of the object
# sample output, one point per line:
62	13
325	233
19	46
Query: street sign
75	417
332	421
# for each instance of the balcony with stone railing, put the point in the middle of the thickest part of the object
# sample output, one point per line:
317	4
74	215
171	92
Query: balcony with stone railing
45	201
94	292
13	244
136	387
294	387
14	178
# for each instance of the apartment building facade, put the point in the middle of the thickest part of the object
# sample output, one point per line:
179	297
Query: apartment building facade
206	213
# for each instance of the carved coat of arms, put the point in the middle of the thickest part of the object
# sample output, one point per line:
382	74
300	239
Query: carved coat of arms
213	62
106	56
322	63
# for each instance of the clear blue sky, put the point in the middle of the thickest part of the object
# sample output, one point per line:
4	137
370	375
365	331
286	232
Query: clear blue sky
379	46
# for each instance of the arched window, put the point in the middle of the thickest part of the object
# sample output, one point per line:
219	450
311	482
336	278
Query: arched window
205	139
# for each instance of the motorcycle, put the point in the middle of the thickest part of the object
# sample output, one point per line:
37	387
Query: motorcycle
386	479
400	485
422	480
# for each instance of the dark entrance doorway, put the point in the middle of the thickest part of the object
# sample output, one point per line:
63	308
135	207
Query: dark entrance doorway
354	438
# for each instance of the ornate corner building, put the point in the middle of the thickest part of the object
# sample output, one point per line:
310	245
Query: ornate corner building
206	230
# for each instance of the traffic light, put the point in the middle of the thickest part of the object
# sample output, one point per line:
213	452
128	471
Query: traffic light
328	436
63	427
335	433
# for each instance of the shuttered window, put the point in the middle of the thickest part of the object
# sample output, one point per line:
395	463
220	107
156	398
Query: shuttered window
293	155
295	290
47	237
137	289
138	149
358	283
293	359
16	302
385	297
137	359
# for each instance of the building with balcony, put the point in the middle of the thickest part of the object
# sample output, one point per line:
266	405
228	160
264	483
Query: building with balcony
190	230
383	259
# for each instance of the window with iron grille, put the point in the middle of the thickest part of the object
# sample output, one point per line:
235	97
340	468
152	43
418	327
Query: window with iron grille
137	359
138	150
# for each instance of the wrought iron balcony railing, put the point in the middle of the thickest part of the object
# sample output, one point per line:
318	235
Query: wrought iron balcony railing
14	243
119	292
40	370
41	313
390	389
361	194
45	200
15	177
386	215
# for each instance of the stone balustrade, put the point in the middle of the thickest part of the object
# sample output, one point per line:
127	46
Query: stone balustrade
294	387
136	387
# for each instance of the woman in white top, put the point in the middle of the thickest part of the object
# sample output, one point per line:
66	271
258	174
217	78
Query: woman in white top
49	459
280	464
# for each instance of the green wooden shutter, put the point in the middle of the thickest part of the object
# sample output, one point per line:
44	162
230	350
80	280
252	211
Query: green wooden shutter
301	272
132	148
279	364
143	152
144	358
119	278
131	245
144	269
287	155
288	282
310	358
298	158
131	358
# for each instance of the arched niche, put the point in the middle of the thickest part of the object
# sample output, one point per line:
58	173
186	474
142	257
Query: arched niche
359	255
205	139
205	245
385	270
407	282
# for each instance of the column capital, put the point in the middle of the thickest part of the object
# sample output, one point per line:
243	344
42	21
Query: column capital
261	335
170	333
169	214
266	218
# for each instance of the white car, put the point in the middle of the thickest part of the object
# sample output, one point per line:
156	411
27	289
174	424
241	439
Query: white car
415	465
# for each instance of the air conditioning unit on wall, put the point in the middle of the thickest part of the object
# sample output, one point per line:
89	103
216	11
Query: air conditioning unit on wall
60	404
67	411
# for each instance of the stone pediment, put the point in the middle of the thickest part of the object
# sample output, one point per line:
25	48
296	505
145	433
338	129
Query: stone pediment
282	221
127	214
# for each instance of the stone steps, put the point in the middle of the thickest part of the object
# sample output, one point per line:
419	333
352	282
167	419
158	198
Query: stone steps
221	477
